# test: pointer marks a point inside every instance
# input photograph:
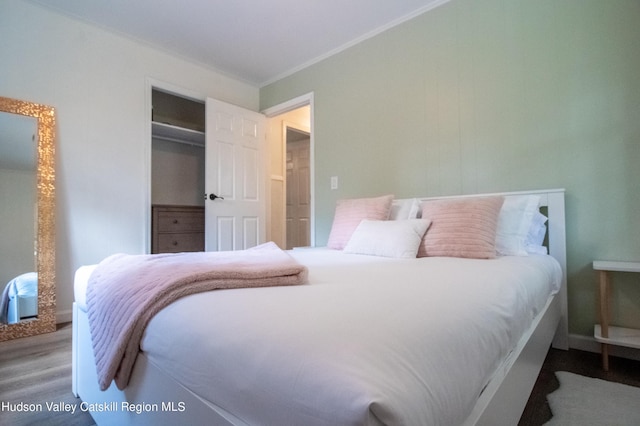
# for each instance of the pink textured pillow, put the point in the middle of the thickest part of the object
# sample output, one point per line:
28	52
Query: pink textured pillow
463	227
349	214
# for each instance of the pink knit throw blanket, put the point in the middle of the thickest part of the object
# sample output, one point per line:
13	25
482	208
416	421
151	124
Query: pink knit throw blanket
126	291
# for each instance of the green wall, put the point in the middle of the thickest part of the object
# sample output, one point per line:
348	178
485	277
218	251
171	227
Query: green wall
493	95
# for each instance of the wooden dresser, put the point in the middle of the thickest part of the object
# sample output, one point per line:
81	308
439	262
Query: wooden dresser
177	228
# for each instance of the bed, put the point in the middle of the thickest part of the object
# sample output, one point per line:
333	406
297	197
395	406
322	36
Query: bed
368	340
19	298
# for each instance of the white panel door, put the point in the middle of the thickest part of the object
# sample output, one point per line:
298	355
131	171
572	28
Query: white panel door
234	178
298	195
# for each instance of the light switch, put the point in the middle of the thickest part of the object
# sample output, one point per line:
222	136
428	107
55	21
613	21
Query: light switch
334	182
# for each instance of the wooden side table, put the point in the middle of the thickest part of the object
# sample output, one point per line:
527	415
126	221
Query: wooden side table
605	333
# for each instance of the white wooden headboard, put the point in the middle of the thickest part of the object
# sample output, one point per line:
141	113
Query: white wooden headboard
553	200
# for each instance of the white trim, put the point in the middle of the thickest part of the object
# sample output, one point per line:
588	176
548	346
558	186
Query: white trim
541	192
291	104
358	40
172	89
148	153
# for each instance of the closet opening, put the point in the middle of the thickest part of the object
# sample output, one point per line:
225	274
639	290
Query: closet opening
177	173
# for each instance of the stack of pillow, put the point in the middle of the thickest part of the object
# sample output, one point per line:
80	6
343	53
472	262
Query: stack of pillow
469	227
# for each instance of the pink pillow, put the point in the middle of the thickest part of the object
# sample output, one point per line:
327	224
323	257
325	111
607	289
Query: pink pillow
349	214
461	227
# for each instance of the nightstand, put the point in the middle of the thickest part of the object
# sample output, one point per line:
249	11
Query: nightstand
604	332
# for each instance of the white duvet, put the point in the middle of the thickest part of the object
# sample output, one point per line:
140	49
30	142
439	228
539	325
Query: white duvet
369	341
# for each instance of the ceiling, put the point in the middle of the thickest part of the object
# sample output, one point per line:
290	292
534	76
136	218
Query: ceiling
257	41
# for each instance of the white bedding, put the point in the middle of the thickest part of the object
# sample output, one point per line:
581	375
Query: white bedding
369	341
19	298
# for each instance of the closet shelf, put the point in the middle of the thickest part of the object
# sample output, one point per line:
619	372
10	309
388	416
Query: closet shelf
177	134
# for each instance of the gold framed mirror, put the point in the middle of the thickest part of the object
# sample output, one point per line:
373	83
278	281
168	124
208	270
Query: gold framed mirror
13	111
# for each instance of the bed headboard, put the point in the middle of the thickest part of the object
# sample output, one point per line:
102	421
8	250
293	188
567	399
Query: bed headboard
553	200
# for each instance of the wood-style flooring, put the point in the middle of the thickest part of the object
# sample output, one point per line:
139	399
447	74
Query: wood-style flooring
37	370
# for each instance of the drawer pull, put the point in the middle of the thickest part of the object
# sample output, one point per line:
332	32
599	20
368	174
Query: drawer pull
175	243
175	221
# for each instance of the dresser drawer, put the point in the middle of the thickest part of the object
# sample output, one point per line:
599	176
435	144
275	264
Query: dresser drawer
177	228
174	243
180	221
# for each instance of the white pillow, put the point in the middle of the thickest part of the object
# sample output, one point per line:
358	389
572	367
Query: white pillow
514	222
388	238
536	234
404	209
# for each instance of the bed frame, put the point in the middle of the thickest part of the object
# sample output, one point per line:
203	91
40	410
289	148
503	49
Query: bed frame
22	307
153	397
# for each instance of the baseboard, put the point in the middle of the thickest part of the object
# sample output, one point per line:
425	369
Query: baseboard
64	316
589	344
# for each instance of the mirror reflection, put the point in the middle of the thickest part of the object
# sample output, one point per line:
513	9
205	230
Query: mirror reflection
18	221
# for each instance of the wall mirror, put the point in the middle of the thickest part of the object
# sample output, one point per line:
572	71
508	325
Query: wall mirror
27	219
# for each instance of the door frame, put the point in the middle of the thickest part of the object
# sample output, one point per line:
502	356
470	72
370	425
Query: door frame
282	108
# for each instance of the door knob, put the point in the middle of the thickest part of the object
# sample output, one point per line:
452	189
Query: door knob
212	197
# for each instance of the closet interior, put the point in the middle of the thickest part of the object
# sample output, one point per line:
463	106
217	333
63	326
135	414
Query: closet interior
177	173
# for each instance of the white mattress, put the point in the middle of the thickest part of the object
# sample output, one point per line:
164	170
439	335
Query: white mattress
369	341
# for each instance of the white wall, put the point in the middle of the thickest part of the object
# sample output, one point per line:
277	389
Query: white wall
487	96
99	84
177	173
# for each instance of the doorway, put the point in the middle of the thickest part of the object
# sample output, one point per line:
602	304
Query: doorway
291	180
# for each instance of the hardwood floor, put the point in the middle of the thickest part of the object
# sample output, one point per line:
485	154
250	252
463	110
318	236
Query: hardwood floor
37	370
